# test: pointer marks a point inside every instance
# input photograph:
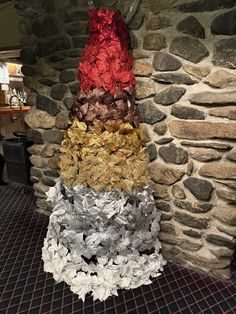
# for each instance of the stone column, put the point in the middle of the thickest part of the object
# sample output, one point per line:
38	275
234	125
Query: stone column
53	33
185	67
184	61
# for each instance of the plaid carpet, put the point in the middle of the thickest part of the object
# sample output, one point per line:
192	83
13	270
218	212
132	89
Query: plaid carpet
25	288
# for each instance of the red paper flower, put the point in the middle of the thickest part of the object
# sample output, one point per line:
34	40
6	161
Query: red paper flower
105	61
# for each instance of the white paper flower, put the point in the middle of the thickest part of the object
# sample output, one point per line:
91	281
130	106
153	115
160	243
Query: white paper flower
105	225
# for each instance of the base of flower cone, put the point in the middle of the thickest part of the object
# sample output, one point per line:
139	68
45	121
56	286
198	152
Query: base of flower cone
99	242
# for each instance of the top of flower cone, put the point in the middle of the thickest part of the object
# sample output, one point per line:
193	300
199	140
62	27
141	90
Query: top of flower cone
106	62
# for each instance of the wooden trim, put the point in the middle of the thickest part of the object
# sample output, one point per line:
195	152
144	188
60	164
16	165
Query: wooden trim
8	52
8	110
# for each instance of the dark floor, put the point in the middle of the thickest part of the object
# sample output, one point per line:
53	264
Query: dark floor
25	288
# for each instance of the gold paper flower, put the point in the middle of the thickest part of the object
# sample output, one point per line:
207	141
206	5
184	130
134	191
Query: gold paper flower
104	156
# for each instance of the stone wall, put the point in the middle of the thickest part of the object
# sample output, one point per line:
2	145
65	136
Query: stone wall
53	34
184	61
185	66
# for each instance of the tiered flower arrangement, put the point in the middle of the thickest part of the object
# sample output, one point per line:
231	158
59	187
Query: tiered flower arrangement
103	233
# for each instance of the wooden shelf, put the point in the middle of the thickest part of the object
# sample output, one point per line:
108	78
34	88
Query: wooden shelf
16	78
8	110
15	75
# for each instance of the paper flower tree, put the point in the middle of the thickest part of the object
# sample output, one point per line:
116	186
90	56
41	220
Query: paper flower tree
103	232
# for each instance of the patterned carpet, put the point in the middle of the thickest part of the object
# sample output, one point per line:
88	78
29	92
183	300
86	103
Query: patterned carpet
25	288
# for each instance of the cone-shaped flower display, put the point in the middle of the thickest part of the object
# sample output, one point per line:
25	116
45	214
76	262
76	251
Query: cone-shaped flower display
103	232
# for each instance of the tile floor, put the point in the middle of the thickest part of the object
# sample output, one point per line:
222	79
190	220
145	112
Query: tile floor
25	288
